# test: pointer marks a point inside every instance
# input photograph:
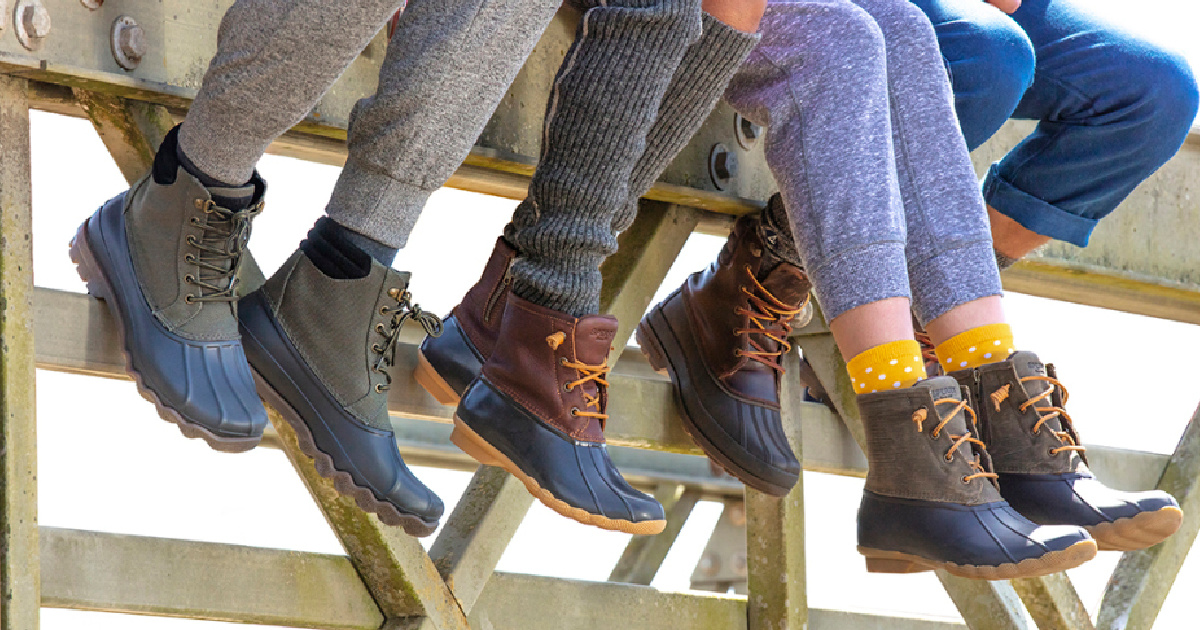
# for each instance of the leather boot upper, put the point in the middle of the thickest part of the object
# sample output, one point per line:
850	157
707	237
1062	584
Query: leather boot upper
742	314
923	444
554	365
186	250
482	308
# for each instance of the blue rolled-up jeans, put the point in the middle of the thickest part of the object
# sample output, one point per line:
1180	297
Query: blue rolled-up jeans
1111	107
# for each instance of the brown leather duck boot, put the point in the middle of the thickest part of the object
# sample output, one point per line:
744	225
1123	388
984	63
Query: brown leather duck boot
1042	464
931	502
448	363
538	411
165	256
720	338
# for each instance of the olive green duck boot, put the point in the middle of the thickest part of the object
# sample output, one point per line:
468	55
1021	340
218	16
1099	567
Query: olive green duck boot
321	349
165	256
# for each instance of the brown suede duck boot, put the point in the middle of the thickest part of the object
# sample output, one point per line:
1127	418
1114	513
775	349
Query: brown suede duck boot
720	338
321	349
164	256
1041	462
538	411
930	500
447	364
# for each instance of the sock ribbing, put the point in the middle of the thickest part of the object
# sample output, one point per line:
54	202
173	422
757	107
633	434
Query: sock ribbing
978	346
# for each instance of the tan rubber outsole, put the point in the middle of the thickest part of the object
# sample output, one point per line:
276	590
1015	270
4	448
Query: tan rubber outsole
1138	532
428	378
478	448
98	287
880	561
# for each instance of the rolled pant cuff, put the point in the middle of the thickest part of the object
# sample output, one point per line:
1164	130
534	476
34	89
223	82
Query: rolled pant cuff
376	205
862	276
1034	214
953	277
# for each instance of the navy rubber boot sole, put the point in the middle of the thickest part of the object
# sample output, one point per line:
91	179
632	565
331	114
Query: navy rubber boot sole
1119	521
98	251
347	452
668	354
560	473
990	541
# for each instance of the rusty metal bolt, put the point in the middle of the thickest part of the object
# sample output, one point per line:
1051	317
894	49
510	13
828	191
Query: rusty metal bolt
709	565
92	4
722	166
128	42
747	132
32	22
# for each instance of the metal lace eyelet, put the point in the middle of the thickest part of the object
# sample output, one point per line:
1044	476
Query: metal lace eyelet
378	388
934	435
394	293
190	279
191	240
199	203
375	347
567	387
190	259
1052	453
948	457
383	310
195	221
1035	432
574	411
189	299
965	480
379	329
562	360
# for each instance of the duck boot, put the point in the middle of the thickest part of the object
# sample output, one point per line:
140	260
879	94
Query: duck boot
320	349
446	364
1043	466
164	256
538	411
931	502
720	338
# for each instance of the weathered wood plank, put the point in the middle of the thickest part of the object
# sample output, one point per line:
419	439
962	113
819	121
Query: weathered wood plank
985	605
1140	583
393	565
19	568
645	254
1053	603
777	581
643	556
176	578
130	130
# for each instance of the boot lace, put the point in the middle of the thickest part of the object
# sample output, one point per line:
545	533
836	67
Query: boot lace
593	373
403	311
1046	414
769	317
223	240
960	406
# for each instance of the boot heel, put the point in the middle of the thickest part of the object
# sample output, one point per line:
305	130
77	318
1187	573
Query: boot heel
466	440
649	345
428	378
85	264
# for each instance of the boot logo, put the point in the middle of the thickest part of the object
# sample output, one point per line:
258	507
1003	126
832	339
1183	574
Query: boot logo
603	335
556	340
945	392
1037	367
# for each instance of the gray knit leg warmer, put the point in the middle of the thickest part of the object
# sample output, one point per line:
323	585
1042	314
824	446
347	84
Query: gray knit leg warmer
695	89
604	101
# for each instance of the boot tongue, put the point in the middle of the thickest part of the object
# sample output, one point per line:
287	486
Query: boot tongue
788	283
1028	364
594	335
942	388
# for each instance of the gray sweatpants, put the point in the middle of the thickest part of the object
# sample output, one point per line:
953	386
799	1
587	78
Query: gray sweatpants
864	143
447	67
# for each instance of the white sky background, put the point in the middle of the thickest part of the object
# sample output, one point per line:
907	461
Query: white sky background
112	465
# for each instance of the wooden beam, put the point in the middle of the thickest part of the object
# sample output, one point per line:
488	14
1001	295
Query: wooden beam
176	578
643	556
19	568
1140	583
646	252
130	130
1053	602
777	582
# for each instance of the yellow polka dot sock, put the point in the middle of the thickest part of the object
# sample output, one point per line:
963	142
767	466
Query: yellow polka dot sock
893	365
979	346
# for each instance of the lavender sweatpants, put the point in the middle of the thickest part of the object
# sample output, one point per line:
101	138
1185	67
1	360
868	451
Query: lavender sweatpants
865	146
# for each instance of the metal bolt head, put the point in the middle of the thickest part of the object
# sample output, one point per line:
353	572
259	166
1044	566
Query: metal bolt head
128	42
722	166
709	565
32	22
92	4
747	132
